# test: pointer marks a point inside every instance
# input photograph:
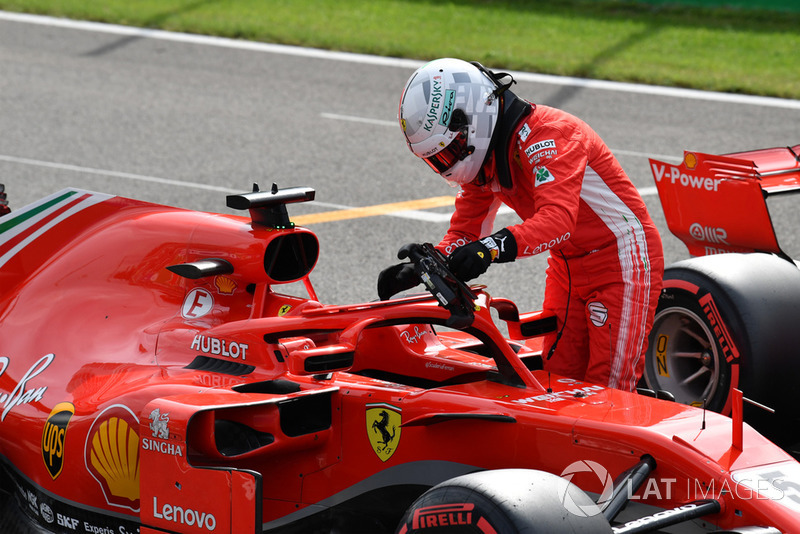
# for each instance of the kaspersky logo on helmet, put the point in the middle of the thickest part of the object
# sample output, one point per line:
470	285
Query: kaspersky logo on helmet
435	104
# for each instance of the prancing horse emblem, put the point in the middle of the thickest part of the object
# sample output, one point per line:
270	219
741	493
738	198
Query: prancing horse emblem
383	429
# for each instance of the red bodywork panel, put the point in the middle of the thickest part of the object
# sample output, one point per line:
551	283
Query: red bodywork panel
133	397
717	204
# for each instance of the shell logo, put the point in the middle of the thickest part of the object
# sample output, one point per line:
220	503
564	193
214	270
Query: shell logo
225	285
112	455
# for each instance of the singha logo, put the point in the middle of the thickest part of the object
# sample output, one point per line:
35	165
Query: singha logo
159	424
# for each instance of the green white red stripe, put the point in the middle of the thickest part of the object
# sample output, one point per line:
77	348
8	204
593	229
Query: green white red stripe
24	226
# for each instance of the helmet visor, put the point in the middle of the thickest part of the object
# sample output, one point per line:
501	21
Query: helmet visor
454	152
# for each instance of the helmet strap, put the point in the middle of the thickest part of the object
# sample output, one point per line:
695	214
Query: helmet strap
513	110
496	78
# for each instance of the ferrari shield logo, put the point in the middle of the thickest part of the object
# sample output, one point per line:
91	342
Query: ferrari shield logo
383	429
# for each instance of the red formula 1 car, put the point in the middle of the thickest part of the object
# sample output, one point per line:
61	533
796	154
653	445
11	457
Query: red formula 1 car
728	317
155	376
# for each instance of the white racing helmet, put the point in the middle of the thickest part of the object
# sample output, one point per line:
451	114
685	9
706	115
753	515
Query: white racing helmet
448	113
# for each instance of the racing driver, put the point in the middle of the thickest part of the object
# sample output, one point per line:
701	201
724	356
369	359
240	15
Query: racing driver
606	262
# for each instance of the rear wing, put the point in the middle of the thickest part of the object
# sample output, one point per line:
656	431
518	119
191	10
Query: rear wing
717	204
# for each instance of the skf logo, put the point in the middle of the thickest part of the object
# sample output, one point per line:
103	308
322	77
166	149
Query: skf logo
383	429
54	436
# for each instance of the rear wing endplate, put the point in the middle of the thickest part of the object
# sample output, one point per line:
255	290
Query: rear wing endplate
717	204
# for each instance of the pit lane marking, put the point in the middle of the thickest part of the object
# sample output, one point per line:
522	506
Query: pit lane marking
407	209
410	209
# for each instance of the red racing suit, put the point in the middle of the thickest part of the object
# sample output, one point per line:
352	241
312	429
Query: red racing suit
606	261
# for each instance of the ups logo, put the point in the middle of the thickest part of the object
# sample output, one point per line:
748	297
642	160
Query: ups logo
383	429
54	435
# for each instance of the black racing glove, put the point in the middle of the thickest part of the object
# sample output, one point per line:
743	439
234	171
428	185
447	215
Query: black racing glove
396	279
471	260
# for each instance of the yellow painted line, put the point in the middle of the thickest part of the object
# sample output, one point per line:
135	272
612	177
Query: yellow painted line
371	211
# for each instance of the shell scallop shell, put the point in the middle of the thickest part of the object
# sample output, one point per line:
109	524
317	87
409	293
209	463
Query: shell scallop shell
115	457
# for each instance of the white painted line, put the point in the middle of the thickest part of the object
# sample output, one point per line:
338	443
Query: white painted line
114	174
393	62
351	118
379	122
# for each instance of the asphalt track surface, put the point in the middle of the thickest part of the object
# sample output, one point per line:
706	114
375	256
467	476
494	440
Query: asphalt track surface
183	121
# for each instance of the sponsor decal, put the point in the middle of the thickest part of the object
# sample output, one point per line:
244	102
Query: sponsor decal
542	176
718	327
225	285
46	513
460	242
22	393
414	337
524	132
447	107
558	396
184	516
286	308
55	515
54	435
540	145
708	234
661	355
676	177
441	366
111	455
66	521
435	104
491	244
541	247
219	347
598	313
383	428
443	515
637	524
159	426
197	303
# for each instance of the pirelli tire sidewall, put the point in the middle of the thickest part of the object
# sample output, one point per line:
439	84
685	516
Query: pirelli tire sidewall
757	299
680	301
507	501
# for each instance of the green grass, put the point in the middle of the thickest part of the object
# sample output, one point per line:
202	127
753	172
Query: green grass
699	44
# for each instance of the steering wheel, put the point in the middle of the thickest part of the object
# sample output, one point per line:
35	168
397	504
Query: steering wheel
452	294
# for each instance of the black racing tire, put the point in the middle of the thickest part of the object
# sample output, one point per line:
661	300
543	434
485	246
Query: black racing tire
729	321
507	501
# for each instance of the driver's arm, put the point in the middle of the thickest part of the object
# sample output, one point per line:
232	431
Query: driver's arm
474	215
